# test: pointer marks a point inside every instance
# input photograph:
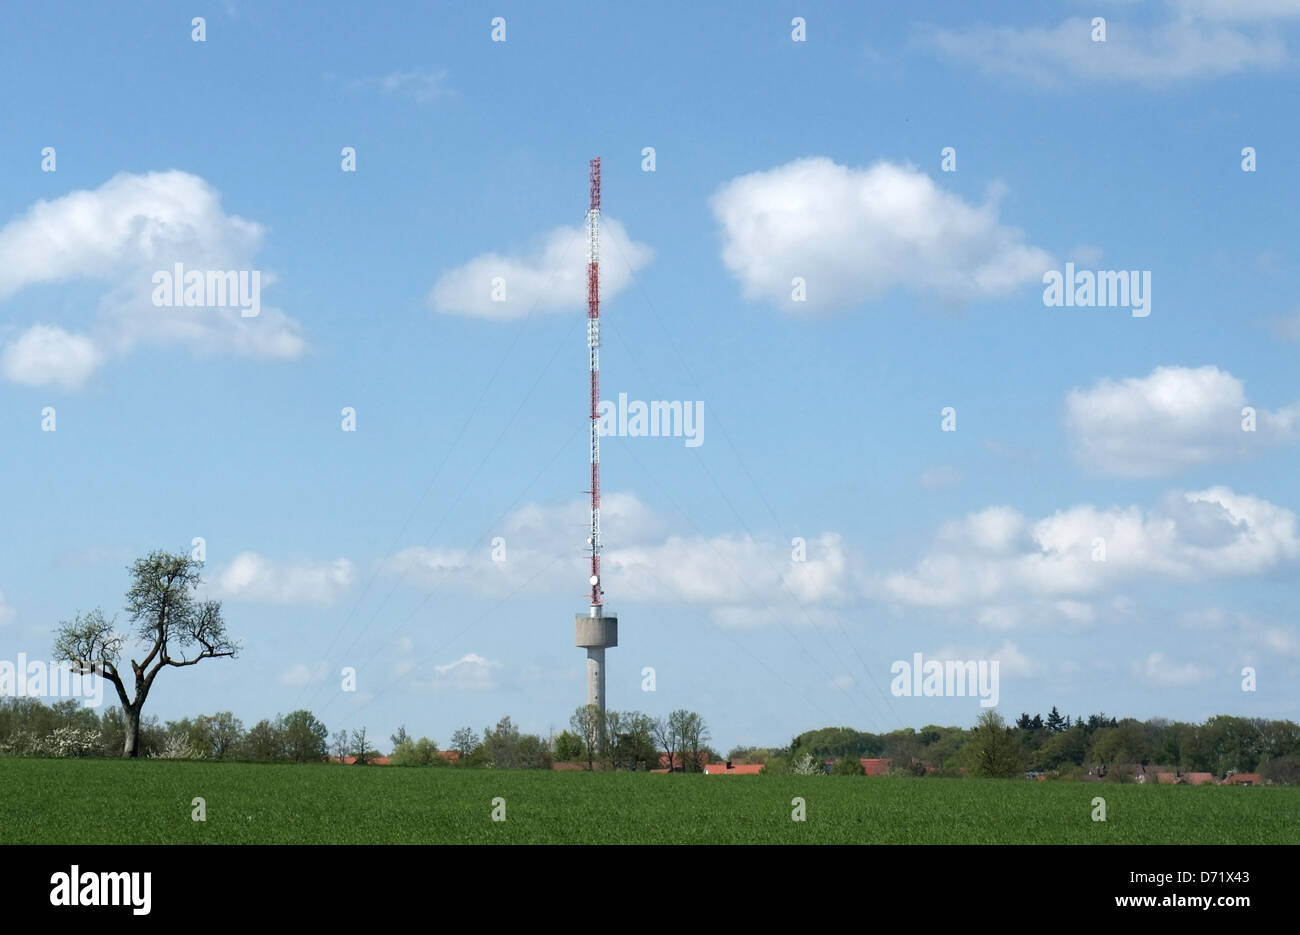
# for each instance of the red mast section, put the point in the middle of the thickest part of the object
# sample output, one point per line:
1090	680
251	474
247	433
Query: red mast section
593	347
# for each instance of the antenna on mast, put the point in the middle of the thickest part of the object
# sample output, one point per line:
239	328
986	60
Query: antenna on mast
593	349
595	631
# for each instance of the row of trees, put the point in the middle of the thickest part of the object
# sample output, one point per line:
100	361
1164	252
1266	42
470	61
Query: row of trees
634	740
1055	744
29	727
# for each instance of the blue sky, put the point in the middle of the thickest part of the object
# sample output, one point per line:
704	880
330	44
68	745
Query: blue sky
819	159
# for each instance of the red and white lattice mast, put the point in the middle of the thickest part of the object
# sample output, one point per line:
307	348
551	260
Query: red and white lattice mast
593	349
595	631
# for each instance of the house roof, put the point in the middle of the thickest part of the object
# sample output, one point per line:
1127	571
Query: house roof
1243	779
737	769
349	760
1200	779
877	766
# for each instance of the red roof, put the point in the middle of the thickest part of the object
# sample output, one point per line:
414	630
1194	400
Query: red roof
1243	779
1167	778
679	760
876	767
349	760
451	756
737	769
1200	779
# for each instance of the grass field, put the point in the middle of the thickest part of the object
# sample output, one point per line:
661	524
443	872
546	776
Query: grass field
149	802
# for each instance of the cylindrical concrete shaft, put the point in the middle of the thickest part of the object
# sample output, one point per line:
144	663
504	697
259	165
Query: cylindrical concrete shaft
596	678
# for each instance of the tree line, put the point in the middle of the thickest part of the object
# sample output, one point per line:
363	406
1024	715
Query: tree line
29	727
1062	746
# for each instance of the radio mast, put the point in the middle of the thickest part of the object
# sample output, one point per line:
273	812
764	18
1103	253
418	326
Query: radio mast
595	631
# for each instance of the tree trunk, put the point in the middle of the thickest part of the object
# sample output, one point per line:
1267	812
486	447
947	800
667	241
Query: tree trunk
132	716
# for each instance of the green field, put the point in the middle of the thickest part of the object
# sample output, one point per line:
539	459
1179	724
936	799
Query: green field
149	802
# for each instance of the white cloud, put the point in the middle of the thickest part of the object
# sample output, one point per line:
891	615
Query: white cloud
993	529
622	516
1009	657
46	355
1000	568
1075	611
1156	668
300	675
1280	640
1175	418
471	672
1245	633
855	234
119	235
738	573
1181	49
252	577
995	559
1061	612
732	569
552	278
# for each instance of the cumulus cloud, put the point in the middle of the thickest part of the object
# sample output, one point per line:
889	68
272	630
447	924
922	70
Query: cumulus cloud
118	236
853	235
739	574
1245	634
1156	668
471	672
1009	657
550	278
731	569
1172	419
46	355
252	577
998	556
1002	568
1182	49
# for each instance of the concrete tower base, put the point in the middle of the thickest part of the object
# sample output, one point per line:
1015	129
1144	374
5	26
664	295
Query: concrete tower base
596	677
595	633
